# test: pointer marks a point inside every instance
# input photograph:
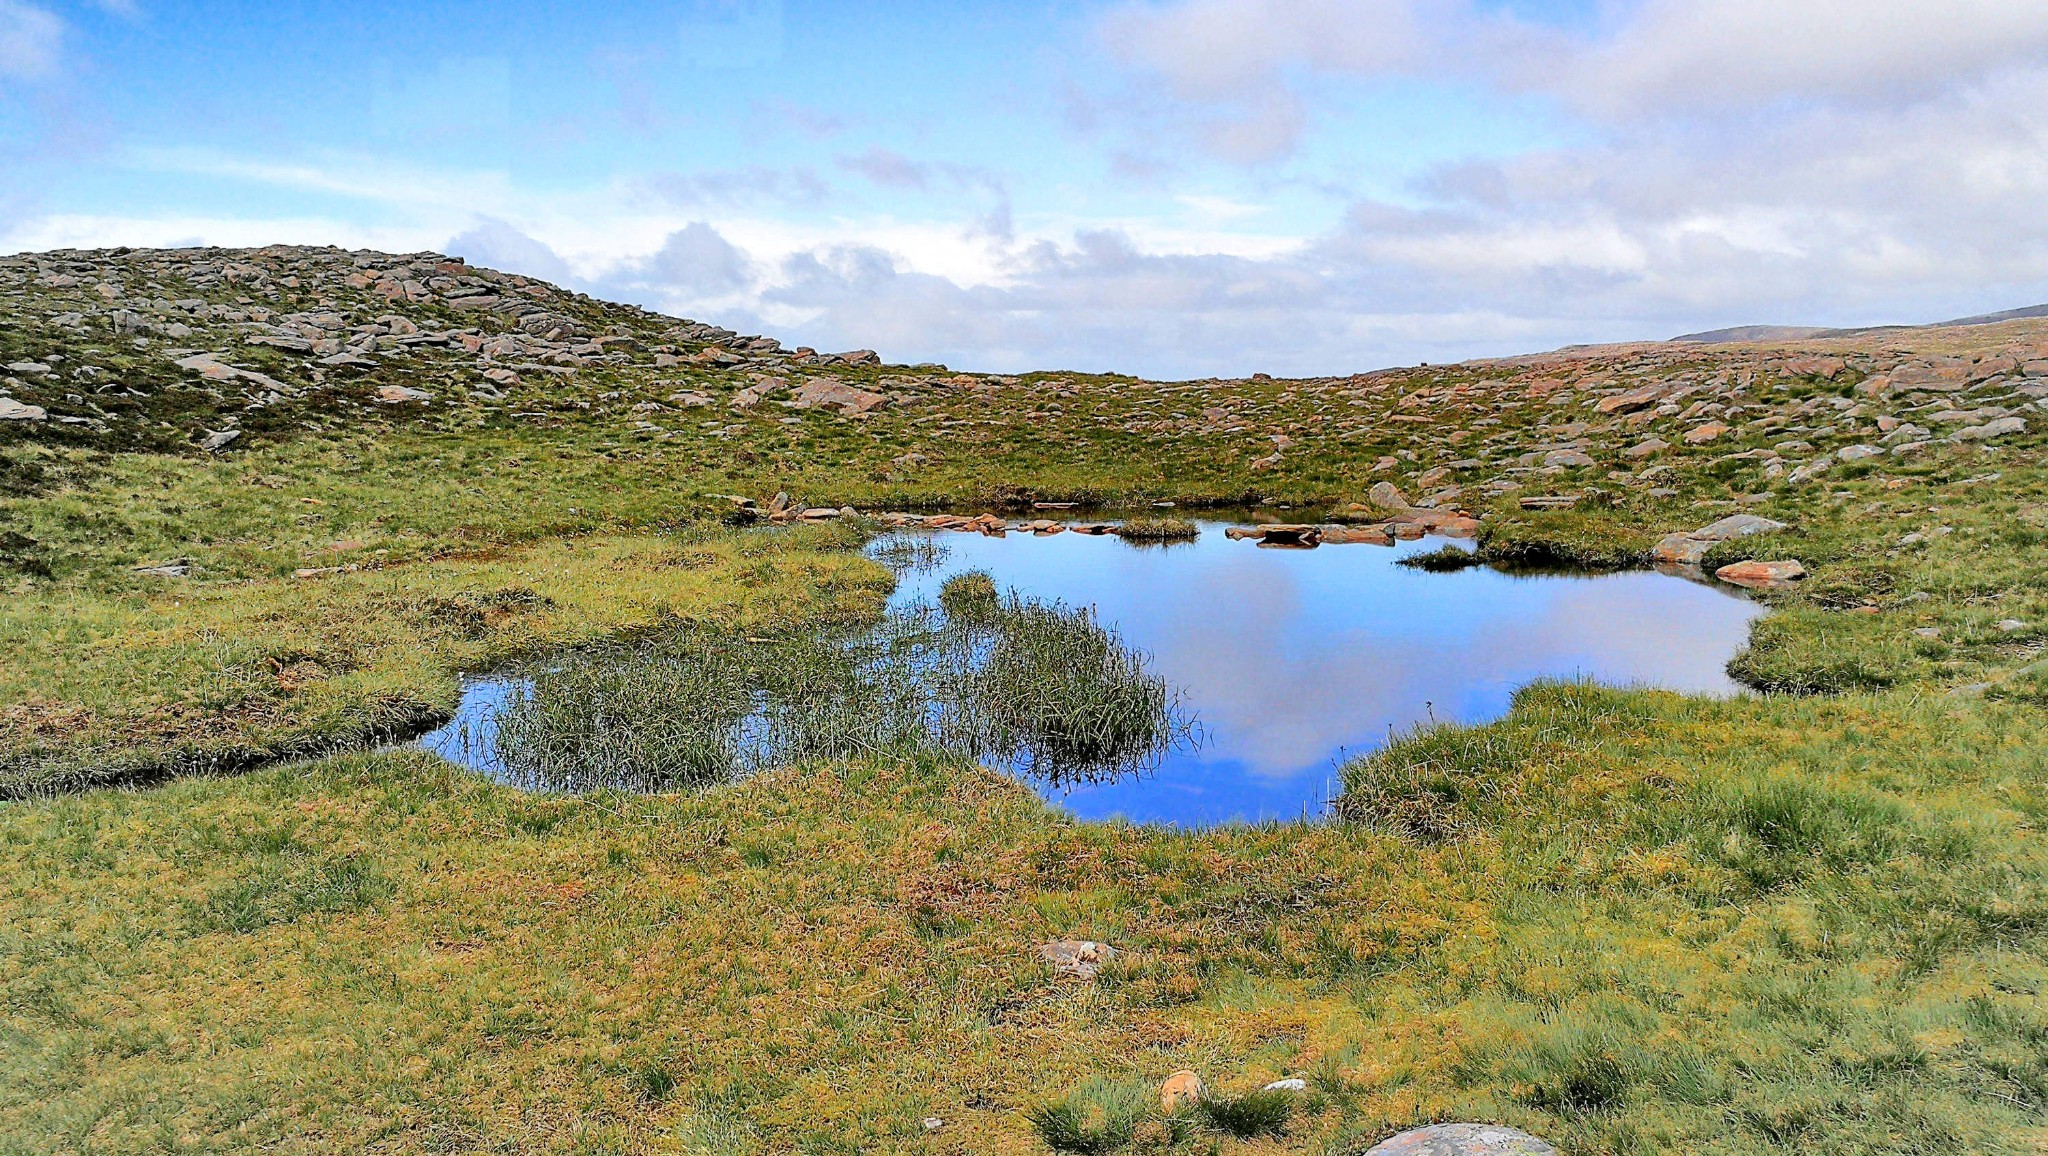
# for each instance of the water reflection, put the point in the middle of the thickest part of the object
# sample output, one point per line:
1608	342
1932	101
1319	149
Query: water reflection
1291	660
1295	659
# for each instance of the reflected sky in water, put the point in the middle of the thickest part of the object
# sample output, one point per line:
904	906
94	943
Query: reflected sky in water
1294	660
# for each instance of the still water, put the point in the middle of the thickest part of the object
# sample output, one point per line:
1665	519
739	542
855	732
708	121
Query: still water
1291	661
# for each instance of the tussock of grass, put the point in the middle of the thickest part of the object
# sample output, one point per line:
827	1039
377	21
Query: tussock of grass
1584	540
1099	1116
1255	1113
1442	560
1157	530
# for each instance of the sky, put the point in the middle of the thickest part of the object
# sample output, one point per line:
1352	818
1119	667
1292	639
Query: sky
1175	188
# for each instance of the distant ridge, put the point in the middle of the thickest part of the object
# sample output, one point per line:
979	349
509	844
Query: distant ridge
1803	332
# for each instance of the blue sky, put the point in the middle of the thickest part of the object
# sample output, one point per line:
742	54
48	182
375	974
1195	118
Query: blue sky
1173	187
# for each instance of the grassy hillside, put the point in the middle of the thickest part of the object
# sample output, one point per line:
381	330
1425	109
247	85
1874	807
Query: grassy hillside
1809	920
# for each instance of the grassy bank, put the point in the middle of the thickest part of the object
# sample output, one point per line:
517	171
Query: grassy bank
1631	922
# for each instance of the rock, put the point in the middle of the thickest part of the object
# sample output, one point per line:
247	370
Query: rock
1762	575
1736	526
1289	534
1462	1140
1183	1089
1857	453
1568	459
1295	1084
28	368
933	1123
1631	401
1990	430
1077	957
2010	625
1826	367
1550	501
400	394
1940	379
174	569
847	399
1335	535
12	410
219	440
1387	496
1681	549
1642	450
1701	435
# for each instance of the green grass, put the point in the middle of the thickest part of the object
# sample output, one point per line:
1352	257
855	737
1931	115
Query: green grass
1813	919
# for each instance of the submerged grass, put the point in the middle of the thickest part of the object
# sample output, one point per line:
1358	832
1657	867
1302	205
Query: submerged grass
1044	688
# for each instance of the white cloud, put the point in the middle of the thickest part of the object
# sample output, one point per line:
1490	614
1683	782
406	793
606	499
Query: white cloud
31	41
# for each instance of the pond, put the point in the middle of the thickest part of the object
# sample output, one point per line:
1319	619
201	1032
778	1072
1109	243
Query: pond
1265	668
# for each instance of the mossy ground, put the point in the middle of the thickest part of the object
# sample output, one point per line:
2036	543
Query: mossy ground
1811	920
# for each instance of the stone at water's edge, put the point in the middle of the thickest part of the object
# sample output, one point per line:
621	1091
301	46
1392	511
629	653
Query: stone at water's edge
1762	575
1463	1140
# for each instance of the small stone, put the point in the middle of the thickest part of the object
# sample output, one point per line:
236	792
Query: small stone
12	410
1642	450
1701	435
2009	625
1295	1084
219	440
1762	575
400	394
173	569
1463	1140
1928	632
1181	1089
28	368
1857	453
933	1123
1568	459
1081	958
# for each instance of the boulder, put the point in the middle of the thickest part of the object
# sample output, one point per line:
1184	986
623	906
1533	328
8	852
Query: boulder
847	399
1335	535
1387	496
400	394
1701	435
1762	575
1568	459
12	410
1686	549
1990	430
1463	1140
1737	526
218	440
1289	534
1644	449
1631	401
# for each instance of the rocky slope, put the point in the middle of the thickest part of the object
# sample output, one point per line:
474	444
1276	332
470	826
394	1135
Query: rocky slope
212	350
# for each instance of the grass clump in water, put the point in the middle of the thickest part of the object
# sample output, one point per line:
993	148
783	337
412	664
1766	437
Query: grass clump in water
1063	691
1042	687
1157	530
1442	560
970	597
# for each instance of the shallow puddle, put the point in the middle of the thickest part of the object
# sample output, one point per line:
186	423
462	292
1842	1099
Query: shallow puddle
1287	661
